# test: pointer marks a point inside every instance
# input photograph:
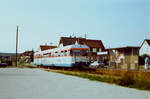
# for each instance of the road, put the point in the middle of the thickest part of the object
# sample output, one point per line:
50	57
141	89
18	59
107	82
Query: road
37	84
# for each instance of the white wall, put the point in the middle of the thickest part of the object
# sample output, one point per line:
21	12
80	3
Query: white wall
145	49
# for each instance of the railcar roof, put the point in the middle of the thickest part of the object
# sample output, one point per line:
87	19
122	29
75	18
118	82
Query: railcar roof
64	48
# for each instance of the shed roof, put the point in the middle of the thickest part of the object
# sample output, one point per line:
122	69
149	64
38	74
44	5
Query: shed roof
125	47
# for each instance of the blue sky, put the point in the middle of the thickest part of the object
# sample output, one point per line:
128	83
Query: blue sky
115	22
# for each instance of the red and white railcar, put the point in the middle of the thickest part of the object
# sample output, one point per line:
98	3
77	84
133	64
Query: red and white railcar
67	56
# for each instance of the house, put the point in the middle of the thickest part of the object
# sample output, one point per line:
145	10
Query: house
27	57
8	58
145	48
124	57
95	46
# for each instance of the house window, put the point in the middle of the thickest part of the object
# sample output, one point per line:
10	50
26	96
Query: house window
100	49
91	49
94	49
97	49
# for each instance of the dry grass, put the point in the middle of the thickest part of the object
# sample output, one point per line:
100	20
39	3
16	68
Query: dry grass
132	79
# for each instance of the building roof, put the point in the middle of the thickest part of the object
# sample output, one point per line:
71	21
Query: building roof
124	47
147	40
46	47
78	46
89	42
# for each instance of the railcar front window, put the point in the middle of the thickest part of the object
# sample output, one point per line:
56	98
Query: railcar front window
76	52
84	52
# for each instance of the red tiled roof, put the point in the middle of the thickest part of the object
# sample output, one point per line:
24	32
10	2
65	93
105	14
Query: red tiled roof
89	42
94	43
46	47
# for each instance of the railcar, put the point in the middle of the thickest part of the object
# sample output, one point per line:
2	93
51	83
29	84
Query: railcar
68	56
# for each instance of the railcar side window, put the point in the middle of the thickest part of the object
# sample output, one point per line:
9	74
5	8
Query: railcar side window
49	54
62	53
45	55
65	53
56	53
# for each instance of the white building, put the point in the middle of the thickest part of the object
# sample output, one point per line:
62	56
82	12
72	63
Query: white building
145	47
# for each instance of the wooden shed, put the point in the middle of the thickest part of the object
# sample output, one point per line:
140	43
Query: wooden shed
124	57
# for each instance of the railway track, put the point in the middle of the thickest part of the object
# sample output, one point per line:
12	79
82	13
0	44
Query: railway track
83	69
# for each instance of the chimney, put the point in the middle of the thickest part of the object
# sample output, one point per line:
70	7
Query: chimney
85	36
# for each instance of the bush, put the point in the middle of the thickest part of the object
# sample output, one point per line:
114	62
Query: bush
127	79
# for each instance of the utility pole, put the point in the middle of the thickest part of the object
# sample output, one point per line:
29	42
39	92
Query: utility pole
16	45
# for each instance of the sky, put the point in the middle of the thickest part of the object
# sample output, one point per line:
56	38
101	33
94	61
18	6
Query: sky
116	22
